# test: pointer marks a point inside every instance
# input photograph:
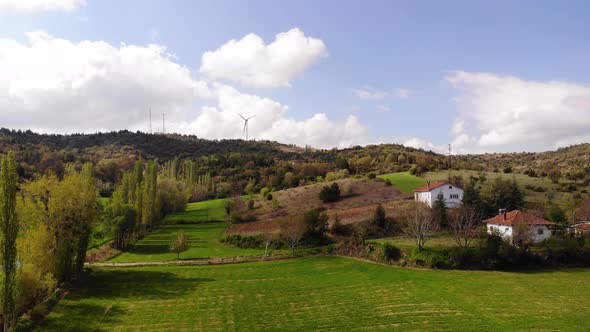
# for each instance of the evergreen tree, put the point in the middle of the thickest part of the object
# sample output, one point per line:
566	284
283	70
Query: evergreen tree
439	210
9	232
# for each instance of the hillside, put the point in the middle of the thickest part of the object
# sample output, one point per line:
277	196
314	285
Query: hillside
360	197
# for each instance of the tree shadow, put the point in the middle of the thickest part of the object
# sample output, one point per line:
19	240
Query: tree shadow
144	284
96	301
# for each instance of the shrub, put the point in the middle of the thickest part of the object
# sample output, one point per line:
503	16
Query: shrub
388	183
24	323
371	175
331	193
38	312
264	191
507	170
268	197
391	253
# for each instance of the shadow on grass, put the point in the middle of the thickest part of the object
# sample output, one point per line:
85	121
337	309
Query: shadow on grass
141	284
99	301
84	317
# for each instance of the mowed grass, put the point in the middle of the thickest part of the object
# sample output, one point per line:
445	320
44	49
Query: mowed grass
322	293
200	211
404	181
203	239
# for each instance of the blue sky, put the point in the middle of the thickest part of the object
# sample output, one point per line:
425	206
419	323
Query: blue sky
407	54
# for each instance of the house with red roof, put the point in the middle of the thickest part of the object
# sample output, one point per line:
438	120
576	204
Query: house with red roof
581	228
519	224
428	193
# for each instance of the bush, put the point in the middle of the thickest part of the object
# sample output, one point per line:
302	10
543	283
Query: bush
391	253
268	197
24	323
371	175
264	191
38	313
388	183
251	242
330	194
507	170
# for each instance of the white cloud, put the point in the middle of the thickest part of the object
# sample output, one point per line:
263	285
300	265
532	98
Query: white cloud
271	122
55	85
506	113
420	143
251	63
374	94
28	6
384	108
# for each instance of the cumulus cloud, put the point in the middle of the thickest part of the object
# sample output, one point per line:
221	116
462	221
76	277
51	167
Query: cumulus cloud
420	143
50	84
28	6
506	113
252	63
374	94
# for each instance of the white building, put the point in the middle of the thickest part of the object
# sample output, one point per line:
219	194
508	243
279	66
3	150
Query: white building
429	192
508	224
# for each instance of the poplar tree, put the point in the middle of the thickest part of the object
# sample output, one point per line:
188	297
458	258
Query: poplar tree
9	232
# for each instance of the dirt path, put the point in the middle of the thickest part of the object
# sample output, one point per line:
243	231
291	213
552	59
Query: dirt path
213	261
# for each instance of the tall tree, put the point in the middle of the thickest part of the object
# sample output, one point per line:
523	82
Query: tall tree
9	232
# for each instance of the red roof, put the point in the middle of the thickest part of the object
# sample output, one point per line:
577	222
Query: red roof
585	227
517	217
430	186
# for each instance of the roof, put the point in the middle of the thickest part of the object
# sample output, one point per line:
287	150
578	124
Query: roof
517	217
585	227
429	186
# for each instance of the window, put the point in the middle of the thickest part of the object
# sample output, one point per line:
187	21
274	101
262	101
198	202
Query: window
440	196
506	229
450	187
540	231
454	196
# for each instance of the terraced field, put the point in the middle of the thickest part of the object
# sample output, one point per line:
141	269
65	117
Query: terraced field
326	293
200	211
203	239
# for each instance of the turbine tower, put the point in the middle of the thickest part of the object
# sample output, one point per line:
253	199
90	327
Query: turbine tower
246	125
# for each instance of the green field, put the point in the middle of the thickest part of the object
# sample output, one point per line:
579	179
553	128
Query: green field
521	179
203	238
404	181
439	240
200	211
322	293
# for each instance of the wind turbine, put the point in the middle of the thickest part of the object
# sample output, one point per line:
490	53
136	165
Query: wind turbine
246	124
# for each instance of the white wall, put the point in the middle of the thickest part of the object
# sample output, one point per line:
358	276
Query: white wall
447	190
506	232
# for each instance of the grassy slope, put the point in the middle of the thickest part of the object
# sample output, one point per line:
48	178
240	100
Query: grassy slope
404	181
521	179
200	211
204	237
322	293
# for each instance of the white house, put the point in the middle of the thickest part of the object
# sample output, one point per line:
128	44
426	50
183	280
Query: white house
581	228
508	224
429	192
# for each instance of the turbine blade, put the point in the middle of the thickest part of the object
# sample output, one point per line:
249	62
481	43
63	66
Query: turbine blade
251	117
242	116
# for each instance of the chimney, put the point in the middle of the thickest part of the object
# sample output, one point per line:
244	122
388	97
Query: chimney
502	212
428	184
504	216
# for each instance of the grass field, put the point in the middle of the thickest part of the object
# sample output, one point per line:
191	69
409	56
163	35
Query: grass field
439	240
521	179
200	211
203	238
322	293
404	181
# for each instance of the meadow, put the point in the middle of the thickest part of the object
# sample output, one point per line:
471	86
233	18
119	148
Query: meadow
522	180
404	181
200	211
327	293
203	240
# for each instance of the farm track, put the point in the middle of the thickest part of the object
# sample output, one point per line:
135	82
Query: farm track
194	262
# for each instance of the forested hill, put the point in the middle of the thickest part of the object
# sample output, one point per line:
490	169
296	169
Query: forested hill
146	146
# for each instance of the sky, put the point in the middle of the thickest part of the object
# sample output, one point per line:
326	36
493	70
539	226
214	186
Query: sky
484	76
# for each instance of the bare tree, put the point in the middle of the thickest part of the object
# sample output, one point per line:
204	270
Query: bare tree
522	234
267	238
418	223
464	225
293	230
